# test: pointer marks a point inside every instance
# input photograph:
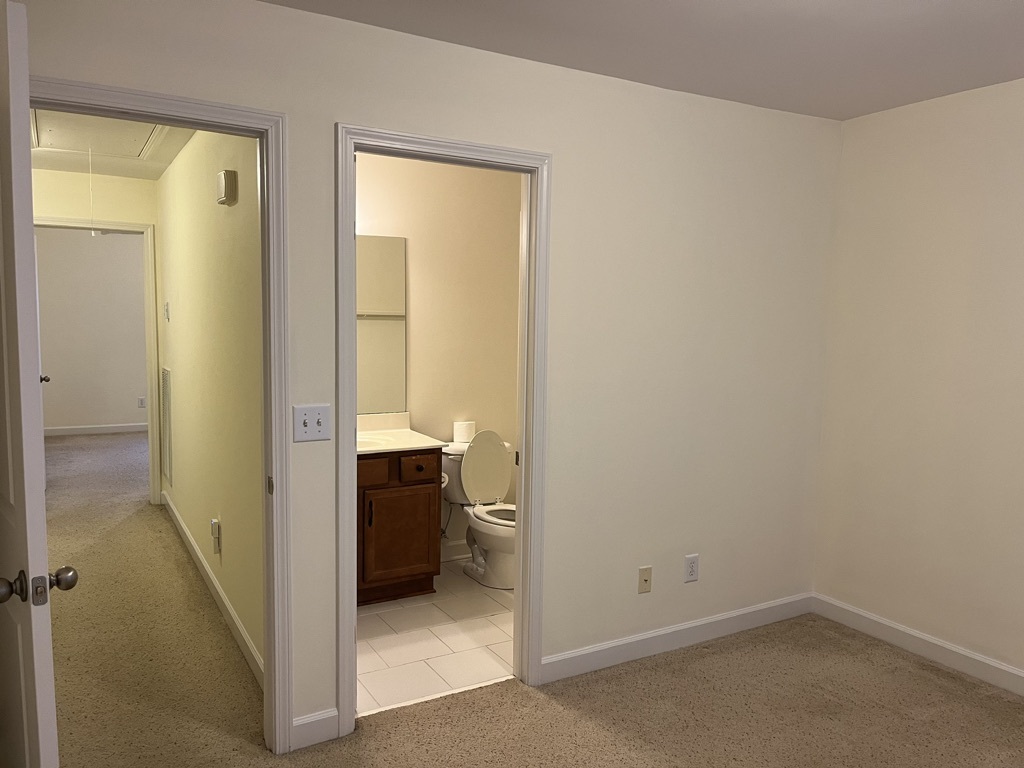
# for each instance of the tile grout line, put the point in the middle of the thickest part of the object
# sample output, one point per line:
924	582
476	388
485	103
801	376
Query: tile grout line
461	597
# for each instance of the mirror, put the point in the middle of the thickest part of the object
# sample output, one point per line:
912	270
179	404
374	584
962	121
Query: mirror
380	324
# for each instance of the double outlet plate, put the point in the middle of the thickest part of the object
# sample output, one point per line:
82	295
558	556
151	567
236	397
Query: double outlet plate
691	572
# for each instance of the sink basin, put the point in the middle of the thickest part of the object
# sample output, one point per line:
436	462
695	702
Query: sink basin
369	443
389	440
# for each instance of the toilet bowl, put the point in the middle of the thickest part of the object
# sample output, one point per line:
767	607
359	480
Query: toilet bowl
479	473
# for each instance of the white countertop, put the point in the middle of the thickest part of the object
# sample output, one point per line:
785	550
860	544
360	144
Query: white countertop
390	440
389	432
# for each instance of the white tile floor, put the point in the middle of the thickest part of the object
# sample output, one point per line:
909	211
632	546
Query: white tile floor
423	646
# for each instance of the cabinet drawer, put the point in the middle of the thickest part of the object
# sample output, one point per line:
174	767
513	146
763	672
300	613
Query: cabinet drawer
418	469
372	472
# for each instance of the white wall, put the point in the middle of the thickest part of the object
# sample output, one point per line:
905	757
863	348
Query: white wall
58	194
462	247
209	271
91	328
686	288
922	488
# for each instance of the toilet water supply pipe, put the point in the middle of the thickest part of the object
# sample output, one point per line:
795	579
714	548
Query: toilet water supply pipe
444	528
447	522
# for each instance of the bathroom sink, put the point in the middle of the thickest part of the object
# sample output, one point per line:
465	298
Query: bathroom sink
369	443
389	440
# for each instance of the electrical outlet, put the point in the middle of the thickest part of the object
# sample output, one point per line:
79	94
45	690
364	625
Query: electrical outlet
311	422
142	402
692	569
644	583
215	535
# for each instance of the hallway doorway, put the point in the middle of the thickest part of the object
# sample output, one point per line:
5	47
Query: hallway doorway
200	321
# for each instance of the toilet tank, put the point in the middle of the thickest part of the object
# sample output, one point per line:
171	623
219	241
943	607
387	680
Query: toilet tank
451	465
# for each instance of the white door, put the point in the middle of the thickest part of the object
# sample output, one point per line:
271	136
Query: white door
28	720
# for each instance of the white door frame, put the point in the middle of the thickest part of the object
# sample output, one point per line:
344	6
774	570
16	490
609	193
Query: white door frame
269	128
533	329
149	302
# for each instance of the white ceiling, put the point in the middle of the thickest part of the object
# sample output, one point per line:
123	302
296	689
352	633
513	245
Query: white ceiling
830	58
61	141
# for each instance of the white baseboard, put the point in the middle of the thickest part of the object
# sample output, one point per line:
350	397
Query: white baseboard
932	648
94	429
454	550
252	657
608	654
315	728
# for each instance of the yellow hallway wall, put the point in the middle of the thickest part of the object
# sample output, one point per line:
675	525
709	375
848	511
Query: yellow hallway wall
209	273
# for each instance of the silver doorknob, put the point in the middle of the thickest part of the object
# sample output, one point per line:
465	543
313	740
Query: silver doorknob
9	589
64	579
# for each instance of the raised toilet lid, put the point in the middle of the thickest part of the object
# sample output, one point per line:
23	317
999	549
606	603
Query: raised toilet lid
486	468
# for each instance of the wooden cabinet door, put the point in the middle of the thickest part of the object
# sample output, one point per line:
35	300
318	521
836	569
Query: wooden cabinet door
401	530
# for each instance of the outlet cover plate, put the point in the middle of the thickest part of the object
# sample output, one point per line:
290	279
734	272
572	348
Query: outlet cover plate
311	422
644	579
691	570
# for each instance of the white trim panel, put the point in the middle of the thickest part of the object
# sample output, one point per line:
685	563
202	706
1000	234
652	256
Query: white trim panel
609	654
953	656
314	729
95	429
252	656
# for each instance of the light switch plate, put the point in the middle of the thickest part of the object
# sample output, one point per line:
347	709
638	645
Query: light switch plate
311	422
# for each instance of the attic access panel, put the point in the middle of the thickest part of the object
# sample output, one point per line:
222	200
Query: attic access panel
80	133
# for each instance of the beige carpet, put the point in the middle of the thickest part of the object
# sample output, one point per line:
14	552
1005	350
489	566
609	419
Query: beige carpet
148	676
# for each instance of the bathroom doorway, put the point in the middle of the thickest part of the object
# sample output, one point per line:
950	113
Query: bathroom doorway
472	247
437	303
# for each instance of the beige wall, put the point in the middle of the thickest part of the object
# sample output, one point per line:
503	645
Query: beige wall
923	495
685	351
91	328
209	271
462	248
58	194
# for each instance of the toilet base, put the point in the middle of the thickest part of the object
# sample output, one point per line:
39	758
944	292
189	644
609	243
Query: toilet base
491	568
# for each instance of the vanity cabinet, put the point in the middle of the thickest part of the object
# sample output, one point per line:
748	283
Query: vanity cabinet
399	537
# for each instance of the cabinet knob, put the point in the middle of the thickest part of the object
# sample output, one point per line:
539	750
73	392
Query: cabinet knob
420	467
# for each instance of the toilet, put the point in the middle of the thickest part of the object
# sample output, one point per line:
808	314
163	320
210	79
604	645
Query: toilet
479	473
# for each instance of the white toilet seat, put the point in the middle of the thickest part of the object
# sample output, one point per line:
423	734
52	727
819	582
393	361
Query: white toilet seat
503	515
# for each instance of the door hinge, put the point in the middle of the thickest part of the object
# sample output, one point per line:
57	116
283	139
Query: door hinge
270	485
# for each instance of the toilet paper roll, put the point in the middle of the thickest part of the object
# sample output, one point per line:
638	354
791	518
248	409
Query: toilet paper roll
444	479
463	431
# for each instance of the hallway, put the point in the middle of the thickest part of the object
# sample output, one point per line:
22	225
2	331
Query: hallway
147	672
